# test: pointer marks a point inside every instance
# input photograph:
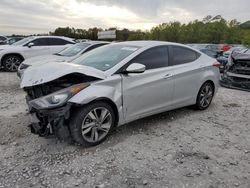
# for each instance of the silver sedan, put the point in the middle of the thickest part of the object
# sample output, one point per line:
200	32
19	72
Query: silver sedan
116	84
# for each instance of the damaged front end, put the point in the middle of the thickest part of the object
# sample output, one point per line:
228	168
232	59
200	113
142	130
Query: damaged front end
237	72
49	87
49	107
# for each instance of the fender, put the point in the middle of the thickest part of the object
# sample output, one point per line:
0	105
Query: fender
110	89
10	53
211	76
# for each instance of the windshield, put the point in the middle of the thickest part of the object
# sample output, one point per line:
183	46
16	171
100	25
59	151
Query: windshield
106	57
73	50
23	41
247	51
199	46
209	52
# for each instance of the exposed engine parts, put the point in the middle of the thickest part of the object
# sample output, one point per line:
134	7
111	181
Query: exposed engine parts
237	72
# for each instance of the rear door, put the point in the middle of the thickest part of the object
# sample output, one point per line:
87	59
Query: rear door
56	44
149	92
188	71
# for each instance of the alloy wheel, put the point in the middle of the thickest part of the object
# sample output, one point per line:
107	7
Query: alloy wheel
206	96
12	63
96	124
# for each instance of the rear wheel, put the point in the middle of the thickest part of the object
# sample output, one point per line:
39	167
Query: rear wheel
11	63
92	124
205	96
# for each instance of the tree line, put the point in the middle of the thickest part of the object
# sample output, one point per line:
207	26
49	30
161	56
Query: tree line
208	30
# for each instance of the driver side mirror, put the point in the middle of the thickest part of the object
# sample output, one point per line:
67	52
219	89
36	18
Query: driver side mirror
136	68
31	44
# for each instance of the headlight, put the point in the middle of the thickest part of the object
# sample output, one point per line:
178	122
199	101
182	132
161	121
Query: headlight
55	99
58	98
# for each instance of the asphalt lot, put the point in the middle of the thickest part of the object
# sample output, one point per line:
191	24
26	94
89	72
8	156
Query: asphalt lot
181	148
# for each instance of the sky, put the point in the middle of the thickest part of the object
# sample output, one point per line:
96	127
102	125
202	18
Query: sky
42	16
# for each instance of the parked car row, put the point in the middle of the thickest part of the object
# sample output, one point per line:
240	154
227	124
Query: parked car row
218	51
66	55
9	40
11	56
3	39
80	94
237	71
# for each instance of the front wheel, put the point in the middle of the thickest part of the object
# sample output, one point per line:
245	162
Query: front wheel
91	124
205	96
11	63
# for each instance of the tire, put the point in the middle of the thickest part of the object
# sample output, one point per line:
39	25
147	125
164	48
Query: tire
205	96
84	124
11	63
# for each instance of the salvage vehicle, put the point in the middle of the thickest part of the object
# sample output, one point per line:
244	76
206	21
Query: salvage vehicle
237	71
9	40
12	40
3	39
65	55
233	49
209	52
116	84
11	56
215	48
221	59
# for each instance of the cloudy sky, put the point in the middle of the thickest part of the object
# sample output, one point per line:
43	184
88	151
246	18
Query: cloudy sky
42	16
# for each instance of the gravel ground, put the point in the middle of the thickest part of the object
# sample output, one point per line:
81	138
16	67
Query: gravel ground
181	148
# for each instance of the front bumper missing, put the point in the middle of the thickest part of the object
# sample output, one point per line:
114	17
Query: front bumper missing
51	122
235	81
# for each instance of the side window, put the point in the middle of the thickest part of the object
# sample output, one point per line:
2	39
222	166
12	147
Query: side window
40	42
94	46
153	58
182	55
2	38
58	42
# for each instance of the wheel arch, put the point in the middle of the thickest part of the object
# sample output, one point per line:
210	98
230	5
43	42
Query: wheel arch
106	100
212	83
7	54
206	81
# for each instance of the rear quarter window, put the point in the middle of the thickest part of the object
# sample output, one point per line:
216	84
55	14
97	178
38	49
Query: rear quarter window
58	42
182	55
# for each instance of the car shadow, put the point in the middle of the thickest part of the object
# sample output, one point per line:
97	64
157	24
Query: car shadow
145	126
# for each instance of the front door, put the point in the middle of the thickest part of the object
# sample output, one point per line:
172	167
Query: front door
149	92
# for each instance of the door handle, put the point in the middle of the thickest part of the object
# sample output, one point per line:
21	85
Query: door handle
167	76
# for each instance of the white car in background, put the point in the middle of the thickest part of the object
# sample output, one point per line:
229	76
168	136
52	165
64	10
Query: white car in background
3	39
66	55
11	56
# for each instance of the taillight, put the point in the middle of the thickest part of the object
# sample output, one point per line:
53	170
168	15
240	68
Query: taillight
216	64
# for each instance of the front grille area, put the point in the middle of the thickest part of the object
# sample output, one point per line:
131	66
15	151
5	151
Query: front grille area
241	67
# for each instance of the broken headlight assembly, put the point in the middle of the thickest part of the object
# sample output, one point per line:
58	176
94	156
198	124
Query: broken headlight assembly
58	98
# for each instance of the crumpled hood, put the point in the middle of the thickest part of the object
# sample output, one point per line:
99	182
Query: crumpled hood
44	73
38	60
240	56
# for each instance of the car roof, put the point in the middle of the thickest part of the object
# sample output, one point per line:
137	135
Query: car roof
144	43
95	42
49	36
